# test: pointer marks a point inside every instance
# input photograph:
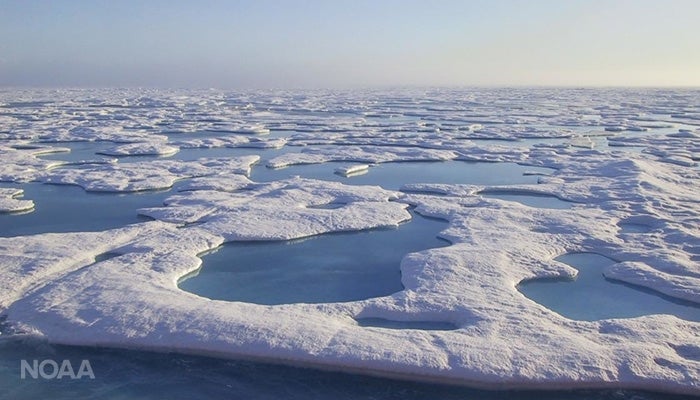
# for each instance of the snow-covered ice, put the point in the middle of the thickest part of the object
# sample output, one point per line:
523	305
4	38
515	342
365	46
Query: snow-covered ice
352	169
370	154
154	175
10	203
140	149
22	164
281	209
57	285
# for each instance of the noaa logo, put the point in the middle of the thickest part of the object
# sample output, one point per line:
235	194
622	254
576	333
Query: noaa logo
50	369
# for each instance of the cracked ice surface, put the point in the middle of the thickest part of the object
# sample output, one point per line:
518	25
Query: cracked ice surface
53	286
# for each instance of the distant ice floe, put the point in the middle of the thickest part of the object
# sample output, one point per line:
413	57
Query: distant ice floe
140	149
352	169
139	176
231	141
114	134
460	318
244	129
581	141
254	129
681	148
360	154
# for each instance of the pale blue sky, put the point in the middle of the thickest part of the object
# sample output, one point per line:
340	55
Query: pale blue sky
354	43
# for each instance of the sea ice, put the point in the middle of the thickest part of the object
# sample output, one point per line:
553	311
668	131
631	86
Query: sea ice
140	149
254	129
231	141
23	165
369	154
9	203
55	286
280	209
352	169
581	141
641	274
154	175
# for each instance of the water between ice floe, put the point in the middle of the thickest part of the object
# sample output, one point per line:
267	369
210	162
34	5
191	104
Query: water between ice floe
592	297
326	268
69	208
395	174
122	374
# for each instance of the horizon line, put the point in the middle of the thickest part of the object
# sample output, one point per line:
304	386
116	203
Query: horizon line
345	88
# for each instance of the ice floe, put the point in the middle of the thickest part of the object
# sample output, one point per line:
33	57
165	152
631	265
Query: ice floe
23	165
134	177
140	149
360	154
9	202
231	141
641	274
352	169
280	209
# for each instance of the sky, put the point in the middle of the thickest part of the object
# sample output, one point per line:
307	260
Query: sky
260	44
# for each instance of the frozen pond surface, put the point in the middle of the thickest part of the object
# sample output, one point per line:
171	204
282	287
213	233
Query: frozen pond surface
593	297
626	159
322	269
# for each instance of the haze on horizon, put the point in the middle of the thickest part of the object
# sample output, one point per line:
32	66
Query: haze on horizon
339	44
